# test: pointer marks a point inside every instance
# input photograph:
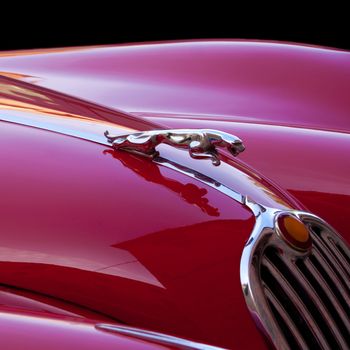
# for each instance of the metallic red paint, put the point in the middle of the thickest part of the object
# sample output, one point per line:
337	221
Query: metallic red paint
25	301
257	82
29	330
109	262
162	271
310	164
295	95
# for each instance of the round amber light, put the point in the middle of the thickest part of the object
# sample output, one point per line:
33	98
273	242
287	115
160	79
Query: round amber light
294	232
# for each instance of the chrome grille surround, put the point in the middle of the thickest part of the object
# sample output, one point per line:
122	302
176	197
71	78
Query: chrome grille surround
298	299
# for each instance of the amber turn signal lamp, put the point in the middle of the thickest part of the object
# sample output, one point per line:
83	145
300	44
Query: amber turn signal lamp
294	232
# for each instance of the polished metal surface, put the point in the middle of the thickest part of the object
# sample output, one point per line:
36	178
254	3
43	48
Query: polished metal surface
299	299
156	337
200	177
80	127
93	131
201	143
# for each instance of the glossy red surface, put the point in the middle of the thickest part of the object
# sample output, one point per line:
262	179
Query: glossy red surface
29	330
58	262
310	164
288	102
176	267
236	80
24	301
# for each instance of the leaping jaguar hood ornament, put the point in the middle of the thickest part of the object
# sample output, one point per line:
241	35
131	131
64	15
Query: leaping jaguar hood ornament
201	143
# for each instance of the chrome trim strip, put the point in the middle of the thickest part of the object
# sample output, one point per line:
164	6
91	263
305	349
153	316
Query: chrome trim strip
156	337
200	177
89	129
92	130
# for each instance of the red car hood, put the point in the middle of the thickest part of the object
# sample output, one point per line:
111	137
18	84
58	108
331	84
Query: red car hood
288	103
114	233
257	82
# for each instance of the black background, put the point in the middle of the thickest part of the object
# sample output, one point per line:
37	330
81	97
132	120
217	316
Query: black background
58	26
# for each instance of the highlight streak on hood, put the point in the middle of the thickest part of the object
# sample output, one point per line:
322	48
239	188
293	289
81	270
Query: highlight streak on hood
33	106
30	105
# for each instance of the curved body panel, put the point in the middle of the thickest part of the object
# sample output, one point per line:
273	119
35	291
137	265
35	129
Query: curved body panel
135	241
109	262
39	331
295	96
309	164
68	230
259	82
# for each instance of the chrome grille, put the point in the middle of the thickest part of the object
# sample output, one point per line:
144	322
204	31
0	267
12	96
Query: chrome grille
300	300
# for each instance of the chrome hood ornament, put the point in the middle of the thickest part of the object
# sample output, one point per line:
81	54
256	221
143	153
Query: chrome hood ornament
201	143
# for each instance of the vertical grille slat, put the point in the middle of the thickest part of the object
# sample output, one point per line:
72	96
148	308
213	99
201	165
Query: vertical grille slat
334	312
334	269
313	291
293	336
337	254
332	285
343	253
336	246
303	315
